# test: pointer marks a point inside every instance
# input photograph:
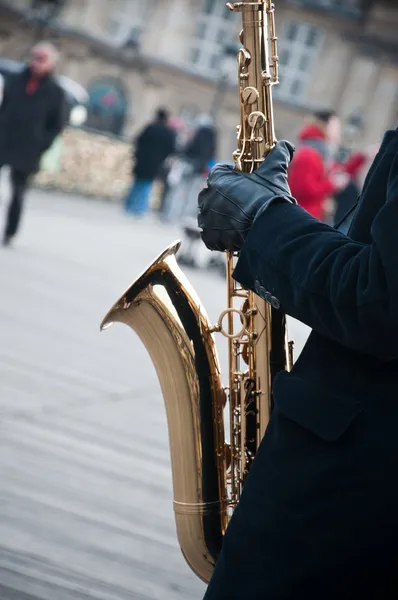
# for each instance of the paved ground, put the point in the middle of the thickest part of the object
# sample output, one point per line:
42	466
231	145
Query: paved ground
85	495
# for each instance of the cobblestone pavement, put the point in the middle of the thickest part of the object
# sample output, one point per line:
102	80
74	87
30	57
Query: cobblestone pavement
85	496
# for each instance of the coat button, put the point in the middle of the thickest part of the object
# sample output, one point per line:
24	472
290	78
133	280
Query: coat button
262	292
275	303
268	297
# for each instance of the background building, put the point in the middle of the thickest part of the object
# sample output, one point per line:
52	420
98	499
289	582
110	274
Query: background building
133	55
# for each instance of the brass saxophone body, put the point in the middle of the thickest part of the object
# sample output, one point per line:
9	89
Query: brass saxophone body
210	460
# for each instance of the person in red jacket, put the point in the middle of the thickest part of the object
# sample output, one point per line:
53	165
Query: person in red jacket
313	176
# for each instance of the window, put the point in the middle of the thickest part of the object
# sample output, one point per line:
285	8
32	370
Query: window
299	46
128	19
216	28
348	7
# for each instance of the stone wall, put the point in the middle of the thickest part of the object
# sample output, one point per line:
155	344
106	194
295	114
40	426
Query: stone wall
88	163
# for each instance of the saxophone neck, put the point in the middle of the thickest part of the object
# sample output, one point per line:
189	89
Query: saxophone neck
257	75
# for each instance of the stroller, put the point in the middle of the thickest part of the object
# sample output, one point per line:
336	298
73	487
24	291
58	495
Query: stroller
195	255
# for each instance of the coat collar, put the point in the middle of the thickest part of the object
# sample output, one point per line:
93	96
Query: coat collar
27	73
374	191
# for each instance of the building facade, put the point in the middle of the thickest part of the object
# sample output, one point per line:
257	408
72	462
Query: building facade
133	56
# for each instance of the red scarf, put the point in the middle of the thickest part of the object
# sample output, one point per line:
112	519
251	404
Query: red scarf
32	85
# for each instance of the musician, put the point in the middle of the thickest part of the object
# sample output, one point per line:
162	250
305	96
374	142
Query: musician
318	517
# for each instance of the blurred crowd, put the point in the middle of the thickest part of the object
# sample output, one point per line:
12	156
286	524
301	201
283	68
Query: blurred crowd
171	162
170	158
177	158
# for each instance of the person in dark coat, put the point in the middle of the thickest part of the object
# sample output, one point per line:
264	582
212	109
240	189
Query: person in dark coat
318	515
201	150
33	113
154	144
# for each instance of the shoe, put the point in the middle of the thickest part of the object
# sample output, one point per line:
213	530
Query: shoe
6	241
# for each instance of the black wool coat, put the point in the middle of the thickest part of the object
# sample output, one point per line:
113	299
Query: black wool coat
345	200
29	123
318	517
202	149
155	143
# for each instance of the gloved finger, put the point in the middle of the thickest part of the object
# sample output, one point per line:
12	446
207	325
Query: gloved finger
283	148
275	166
210	240
279	158
205	217
288	147
201	220
203	198
222	239
219	172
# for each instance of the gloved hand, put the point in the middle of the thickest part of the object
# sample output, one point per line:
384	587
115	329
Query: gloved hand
232	200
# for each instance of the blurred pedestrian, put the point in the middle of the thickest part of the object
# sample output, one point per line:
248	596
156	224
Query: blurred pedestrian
311	178
32	114
201	150
190	171
155	143
177	124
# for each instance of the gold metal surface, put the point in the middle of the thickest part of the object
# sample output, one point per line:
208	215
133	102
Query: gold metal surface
258	354
163	309
165	312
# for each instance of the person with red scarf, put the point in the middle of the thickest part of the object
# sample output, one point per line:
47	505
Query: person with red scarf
32	114
314	175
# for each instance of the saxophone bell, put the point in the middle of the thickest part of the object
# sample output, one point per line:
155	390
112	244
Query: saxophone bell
164	311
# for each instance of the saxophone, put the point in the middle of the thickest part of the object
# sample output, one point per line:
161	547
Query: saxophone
209	469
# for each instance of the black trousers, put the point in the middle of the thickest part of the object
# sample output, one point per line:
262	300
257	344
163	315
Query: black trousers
19	183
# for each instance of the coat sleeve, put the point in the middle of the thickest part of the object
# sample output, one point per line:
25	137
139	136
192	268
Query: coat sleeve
344	290
56	119
173	143
169	144
142	136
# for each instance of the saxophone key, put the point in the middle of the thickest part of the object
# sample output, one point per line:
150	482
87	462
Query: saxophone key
256	119
250	95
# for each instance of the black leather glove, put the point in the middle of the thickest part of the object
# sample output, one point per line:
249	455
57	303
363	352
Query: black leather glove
232	200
